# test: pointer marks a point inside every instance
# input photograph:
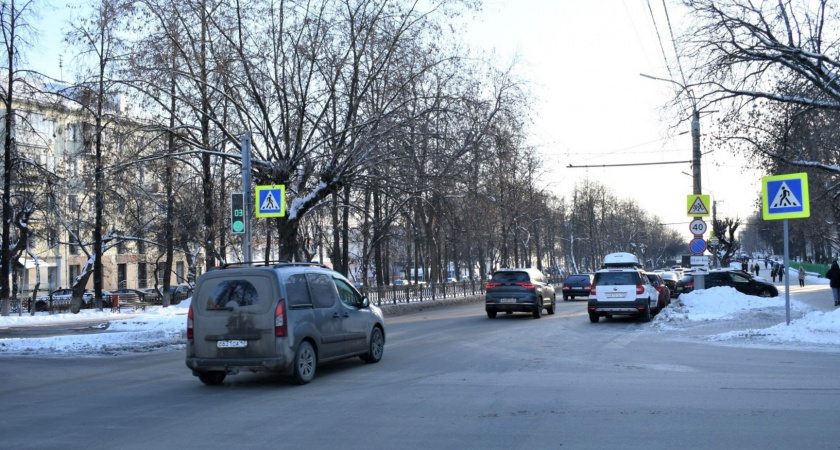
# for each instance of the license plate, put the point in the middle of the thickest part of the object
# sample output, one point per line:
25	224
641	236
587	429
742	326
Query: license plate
508	300
615	294
231	344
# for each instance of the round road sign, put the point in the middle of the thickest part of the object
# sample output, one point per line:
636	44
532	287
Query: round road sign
697	246
698	227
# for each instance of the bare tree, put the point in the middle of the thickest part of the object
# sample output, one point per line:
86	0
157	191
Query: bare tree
14	25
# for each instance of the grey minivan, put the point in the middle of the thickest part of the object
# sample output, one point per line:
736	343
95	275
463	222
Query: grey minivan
284	318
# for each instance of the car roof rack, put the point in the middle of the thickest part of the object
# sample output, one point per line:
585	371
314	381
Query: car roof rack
272	264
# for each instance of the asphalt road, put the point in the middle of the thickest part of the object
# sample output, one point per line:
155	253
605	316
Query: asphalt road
450	379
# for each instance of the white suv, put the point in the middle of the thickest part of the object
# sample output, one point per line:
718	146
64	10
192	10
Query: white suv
621	288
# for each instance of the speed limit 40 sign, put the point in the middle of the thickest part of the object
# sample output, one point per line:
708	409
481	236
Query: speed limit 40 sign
698	227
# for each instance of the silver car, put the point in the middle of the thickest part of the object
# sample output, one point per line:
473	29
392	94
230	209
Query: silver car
286	318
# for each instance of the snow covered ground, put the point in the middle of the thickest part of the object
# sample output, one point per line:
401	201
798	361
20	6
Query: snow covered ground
164	328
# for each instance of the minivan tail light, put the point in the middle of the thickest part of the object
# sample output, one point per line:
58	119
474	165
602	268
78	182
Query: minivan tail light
280	319
491	285
190	323
526	285
689	285
640	289
592	291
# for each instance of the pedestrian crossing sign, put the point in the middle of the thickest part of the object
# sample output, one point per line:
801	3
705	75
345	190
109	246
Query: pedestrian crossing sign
785	196
271	200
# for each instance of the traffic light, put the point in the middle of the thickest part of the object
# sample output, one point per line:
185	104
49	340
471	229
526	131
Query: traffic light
237	213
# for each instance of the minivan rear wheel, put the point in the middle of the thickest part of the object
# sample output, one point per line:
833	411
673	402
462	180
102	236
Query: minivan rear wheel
212	378
305	361
491	313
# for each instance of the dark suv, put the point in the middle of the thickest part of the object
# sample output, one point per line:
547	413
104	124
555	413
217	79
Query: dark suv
741	281
519	290
577	285
284	318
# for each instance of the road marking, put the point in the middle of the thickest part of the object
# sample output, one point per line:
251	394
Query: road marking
621	341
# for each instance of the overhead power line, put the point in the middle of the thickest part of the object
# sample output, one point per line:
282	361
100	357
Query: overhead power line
572	166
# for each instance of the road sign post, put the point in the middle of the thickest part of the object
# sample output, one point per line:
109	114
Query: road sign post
785	197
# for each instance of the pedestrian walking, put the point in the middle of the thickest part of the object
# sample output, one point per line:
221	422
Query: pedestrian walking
801	276
765	263
773	272
781	273
833	276
757	268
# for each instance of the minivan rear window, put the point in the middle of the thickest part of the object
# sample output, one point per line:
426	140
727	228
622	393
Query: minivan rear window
241	292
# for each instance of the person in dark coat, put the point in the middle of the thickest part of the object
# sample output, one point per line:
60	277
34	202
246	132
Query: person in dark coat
756	268
833	276
781	273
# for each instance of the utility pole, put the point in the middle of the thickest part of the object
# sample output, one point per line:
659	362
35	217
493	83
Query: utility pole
695	143
699	278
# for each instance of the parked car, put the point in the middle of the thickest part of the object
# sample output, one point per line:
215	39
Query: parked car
670	279
152	295
621	288
741	281
286	318
179	292
399	282
577	285
664	298
519	290
63	296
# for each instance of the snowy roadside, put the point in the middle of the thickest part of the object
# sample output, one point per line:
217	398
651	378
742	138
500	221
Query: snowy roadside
164	328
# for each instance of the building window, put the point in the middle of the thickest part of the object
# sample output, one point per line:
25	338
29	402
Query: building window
142	276
122	272
75	270
179	271
52	277
121	247
52	237
73	202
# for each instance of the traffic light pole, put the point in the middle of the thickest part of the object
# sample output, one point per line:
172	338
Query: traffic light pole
246	190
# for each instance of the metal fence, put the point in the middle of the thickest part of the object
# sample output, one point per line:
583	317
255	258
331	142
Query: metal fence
380	295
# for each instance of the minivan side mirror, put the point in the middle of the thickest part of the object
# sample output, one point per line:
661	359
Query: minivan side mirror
365	302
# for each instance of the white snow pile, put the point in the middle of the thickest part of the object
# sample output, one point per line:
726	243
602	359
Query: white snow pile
117	333
807	326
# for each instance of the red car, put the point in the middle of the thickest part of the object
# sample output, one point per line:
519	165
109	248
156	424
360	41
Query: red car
664	293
